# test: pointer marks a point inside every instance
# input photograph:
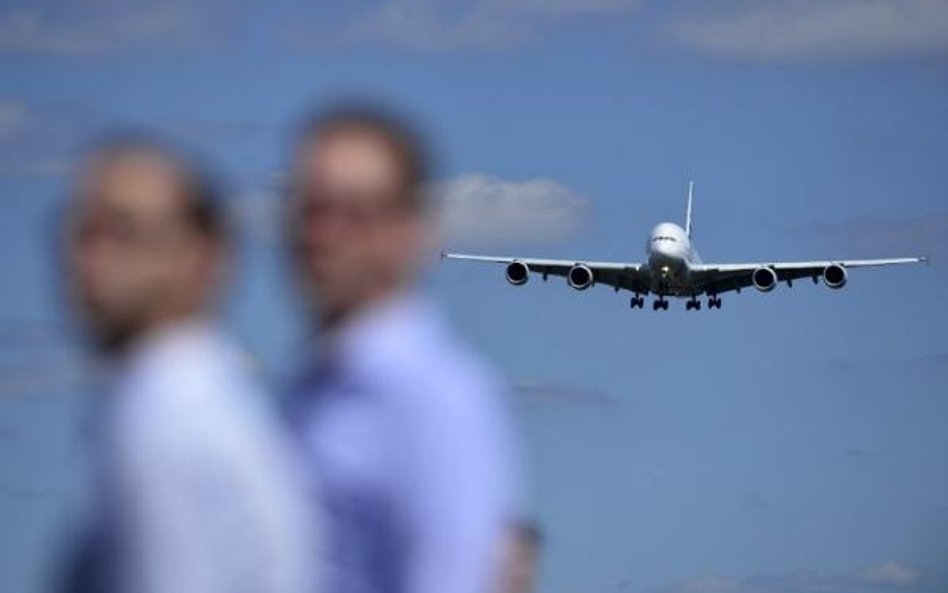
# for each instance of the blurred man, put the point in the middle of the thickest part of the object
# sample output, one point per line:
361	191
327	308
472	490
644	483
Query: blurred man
195	490
400	422
522	559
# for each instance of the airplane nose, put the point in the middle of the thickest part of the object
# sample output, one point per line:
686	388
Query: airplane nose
665	255
664	249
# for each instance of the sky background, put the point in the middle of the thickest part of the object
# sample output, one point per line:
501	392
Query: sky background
792	442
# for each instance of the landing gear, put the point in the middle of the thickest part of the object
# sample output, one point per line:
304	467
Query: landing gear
693	304
637	302
714	302
660	304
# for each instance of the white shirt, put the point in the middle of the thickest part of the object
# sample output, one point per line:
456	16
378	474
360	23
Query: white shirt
205	495
408	436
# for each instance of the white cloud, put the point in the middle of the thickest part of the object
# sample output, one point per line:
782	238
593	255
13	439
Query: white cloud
478	208
785	30
472	209
888	576
438	25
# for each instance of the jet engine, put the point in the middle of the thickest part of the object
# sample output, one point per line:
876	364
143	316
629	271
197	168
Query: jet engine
517	273
580	277
834	276
764	279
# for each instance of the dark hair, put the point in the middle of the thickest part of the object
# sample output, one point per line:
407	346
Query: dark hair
202	202
403	140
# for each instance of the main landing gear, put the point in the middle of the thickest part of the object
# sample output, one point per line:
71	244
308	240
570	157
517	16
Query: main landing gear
661	303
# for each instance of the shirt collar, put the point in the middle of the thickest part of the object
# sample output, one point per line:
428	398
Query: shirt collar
378	334
167	340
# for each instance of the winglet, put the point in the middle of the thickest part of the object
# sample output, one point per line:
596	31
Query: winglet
688	224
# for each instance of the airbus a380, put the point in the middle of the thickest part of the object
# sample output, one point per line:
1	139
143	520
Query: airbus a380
673	269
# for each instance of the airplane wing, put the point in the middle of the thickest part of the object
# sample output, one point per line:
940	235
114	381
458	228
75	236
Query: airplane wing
720	278
619	275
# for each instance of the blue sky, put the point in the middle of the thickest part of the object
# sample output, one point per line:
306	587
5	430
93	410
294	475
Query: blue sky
791	442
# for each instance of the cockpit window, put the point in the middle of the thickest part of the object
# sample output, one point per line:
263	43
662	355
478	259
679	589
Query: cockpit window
664	238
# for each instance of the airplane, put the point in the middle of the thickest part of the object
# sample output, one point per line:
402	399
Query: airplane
674	269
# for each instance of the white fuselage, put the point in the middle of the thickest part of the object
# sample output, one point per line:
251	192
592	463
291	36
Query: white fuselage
670	253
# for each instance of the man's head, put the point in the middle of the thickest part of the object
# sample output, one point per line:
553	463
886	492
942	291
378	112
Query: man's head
358	215
144	239
521	559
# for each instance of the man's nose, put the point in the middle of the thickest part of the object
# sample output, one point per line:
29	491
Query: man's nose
325	230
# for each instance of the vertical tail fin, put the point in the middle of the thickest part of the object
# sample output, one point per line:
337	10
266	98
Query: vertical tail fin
688	224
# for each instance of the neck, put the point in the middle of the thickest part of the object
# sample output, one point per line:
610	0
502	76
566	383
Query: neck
334	320
120	341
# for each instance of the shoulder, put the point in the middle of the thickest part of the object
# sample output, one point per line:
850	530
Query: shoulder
438	379
194	392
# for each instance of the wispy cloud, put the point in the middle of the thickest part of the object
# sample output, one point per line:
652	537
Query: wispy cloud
889	576
13	116
18	133
871	237
935	362
859	453
39	358
86	27
479	208
258	213
20	493
47	378
40	140
541	394
43	140
926	234
444	25
781	30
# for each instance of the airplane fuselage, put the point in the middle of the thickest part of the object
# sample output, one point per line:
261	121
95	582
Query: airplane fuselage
670	253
